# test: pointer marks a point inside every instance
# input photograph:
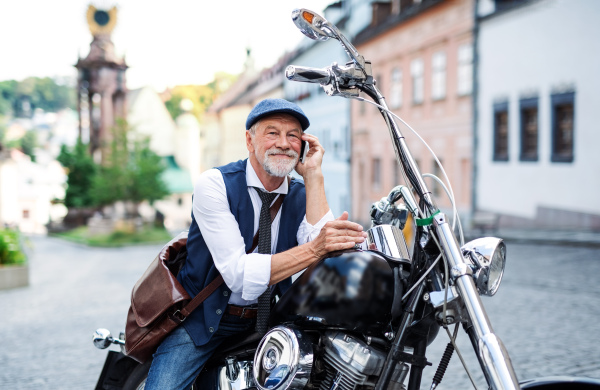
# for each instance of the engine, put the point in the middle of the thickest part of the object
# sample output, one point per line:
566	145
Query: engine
285	359
352	364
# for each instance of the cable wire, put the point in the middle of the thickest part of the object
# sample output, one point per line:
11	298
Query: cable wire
454	210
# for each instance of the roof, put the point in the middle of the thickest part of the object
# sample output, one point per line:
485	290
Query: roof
394	20
177	180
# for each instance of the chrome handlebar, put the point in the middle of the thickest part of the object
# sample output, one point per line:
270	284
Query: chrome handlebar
308	75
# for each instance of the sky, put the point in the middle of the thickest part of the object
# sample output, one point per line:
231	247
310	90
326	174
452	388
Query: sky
165	43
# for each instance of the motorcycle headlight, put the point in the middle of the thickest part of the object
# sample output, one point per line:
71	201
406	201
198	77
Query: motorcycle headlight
283	359
489	257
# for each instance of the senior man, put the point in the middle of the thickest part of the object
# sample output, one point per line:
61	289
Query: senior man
230	205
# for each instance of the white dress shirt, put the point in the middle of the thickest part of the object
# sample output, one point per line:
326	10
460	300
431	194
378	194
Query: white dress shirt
247	275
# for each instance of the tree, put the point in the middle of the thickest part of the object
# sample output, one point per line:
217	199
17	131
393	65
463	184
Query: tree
131	171
28	143
201	95
146	170
81	171
34	92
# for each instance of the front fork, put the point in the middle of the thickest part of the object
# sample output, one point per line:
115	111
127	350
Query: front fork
490	350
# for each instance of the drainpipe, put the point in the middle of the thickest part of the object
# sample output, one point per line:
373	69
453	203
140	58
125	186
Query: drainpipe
475	115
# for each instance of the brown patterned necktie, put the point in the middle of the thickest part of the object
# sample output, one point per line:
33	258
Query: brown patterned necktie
264	246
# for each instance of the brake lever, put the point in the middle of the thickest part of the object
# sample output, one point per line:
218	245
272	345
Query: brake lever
347	80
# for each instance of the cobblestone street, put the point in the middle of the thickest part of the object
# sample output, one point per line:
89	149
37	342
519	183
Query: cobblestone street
46	328
546	313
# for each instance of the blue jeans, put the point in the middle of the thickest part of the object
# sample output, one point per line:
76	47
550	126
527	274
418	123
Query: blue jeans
178	361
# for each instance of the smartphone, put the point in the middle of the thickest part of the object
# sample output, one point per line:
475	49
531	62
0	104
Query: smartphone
303	151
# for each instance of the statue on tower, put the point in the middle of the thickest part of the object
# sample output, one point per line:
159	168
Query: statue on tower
101	87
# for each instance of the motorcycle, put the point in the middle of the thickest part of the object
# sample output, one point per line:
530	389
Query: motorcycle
363	318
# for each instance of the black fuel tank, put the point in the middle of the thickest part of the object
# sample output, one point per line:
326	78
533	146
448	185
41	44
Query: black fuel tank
352	291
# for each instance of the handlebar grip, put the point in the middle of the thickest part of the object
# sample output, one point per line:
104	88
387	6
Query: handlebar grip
307	75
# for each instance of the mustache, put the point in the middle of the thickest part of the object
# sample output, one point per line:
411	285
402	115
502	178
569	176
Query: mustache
289	152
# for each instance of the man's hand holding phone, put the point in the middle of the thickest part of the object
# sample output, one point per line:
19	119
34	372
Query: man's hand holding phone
311	155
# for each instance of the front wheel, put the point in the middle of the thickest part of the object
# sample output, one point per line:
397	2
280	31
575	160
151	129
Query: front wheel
137	378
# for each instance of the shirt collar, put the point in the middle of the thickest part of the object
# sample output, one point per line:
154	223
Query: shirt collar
253	181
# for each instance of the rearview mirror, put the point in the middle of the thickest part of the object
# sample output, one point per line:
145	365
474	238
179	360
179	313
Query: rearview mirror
312	24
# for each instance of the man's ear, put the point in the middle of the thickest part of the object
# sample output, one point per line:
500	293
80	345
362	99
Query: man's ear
249	142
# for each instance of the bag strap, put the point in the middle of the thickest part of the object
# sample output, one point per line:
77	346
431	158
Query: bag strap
206	291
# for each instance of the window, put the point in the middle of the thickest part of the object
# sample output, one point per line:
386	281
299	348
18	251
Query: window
416	72
376	173
465	69
529	129
438	78
396	91
563	126
501	132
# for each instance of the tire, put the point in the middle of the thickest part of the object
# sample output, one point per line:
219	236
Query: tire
137	378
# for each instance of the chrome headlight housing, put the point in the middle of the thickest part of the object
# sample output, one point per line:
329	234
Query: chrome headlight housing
489	258
283	359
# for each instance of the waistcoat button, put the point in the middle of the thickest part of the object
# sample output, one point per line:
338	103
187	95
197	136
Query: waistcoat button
211	329
219	311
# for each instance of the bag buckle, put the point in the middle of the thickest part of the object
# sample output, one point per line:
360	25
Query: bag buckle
177	317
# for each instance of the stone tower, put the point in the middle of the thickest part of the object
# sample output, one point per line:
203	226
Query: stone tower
101	89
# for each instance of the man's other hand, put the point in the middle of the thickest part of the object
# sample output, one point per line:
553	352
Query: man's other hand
314	157
337	235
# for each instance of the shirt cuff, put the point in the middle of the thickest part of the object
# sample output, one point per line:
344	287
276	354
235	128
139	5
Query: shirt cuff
319	225
308	232
257	275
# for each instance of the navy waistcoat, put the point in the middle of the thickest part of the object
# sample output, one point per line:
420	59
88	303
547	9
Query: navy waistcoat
199	269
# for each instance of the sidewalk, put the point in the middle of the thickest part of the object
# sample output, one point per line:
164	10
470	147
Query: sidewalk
541	236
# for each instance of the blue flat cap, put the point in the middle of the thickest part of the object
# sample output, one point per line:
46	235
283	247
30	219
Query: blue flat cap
276	106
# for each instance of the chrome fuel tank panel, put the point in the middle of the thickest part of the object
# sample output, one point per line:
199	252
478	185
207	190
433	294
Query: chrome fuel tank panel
388	240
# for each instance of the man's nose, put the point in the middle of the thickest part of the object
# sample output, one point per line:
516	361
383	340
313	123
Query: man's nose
283	142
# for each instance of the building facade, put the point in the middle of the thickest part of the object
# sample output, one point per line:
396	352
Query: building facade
422	56
537	163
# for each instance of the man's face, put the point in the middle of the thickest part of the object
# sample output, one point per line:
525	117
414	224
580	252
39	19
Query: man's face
276	144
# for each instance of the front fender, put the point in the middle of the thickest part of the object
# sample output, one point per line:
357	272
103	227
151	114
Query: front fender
561	383
116	370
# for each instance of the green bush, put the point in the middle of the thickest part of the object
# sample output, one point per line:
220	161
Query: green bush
10	248
118	238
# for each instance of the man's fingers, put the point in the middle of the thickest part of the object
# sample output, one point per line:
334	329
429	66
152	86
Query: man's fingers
344	232
343	224
343	217
334	239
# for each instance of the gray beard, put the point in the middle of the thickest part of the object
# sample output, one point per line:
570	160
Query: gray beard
282	168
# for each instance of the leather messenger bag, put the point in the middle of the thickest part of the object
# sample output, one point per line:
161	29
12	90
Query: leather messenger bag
159	303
